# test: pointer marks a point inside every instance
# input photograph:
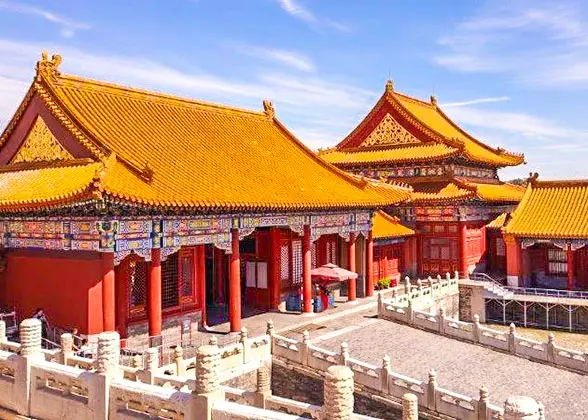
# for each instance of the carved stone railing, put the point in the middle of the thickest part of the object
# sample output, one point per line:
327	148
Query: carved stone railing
544	352
382	382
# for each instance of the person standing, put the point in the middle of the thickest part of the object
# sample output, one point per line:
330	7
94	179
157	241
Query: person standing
40	315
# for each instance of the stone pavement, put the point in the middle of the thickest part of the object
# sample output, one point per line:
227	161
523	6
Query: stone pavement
460	366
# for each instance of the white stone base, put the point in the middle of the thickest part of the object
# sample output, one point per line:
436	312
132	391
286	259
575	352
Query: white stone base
512	281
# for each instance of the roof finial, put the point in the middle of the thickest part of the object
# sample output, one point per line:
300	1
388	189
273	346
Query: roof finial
48	67
389	85
532	178
268	108
433	100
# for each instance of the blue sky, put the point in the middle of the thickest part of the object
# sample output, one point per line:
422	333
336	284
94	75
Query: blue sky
514	74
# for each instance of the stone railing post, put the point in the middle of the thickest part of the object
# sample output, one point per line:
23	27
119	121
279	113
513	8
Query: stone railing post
441	320
456	275
521	408
107	369
304	348
409	313
137	362
385	374
263	389
179	360
512	337
344	355
3	338
483	404
207	388
380	304
30	351
432	391
406	285
270	331
338	394
476	328
551	347
151	365
410	407
244	345
67	347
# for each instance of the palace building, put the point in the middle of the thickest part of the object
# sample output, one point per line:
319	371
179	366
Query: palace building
546	236
453	176
128	210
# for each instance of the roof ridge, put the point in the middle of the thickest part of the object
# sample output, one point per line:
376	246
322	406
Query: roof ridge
413	98
559	183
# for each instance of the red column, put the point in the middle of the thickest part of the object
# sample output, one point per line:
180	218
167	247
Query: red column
154	294
369	266
108	292
513	260
570	255
351	293
463	250
201	283
219	266
235	283
306	268
274	280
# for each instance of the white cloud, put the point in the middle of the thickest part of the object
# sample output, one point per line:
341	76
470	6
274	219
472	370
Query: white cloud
545	43
475	101
296	10
68	27
285	57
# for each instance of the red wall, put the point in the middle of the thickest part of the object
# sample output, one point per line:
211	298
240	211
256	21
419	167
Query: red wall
66	284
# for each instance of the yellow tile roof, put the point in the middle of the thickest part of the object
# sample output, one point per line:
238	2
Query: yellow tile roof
459	189
435	119
46	186
169	151
392	155
498	222
386	226
552	209
426	121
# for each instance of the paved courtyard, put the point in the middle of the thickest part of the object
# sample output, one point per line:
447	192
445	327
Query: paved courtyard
460	366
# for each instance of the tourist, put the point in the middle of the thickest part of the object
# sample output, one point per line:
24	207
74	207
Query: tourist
40	315
84	350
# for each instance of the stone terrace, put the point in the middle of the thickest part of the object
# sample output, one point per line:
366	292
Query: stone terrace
460	366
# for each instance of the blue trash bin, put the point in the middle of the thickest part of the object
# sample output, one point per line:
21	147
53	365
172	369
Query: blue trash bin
317	305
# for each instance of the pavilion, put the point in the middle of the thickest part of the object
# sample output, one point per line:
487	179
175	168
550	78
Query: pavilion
128	210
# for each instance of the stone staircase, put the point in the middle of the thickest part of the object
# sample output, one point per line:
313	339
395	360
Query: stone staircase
493	289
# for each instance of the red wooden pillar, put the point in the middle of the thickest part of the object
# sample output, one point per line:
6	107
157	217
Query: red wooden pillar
570	258
235	283
201	283
369	266
306	268
351	293
274	279
463	250
108	292
513	260
154	294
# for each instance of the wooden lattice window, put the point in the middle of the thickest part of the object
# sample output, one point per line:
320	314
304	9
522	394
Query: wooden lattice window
296	262
313	259
137	278
557	261
285	264
170	282
331	251
187	276
500	248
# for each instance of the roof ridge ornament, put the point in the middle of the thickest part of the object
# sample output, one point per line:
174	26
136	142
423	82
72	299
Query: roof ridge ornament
389	85
268	109
433	100
533	178
48	67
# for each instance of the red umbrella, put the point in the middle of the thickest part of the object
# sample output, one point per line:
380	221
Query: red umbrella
333	273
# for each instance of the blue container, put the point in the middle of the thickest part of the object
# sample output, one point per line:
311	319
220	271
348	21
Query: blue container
331	301
317	305
293	303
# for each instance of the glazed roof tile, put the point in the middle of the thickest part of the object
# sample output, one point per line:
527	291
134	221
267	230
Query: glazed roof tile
175	152
458	189
386	227
412	153
498	222
552	209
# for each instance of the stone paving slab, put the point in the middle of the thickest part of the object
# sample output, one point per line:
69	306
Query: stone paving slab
460	366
